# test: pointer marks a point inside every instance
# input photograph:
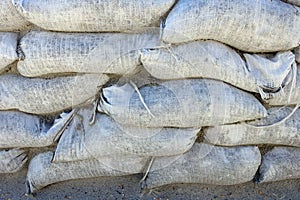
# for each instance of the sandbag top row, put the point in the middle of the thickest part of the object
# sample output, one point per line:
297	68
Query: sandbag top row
253	26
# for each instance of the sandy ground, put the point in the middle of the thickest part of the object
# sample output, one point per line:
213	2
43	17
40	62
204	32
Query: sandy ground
12	187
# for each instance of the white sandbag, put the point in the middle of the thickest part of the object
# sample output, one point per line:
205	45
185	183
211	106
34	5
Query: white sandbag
8	48
253	26
295	2
180	103
297	54
105	137
43	96
10	19
268	130
280	163
22	130
42	172
94	16
12	160
113	53
214	60
291	93
209	165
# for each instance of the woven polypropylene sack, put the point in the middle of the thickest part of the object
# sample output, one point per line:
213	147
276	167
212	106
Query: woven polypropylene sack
269	130
114	53
42	172
12	160
253	26
290	95
281	163
22	130
180	103
10	19
8	48
209	165
44	96
94	16
209	59
105	137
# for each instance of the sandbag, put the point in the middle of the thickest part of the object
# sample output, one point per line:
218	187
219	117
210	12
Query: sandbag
114	53
179	103
105	137
42	172
290	95
94	16
8	48
297	54
10	19
280	163
295	2
44	96
209	165
214	60
276	129
22	130
252	26
12	160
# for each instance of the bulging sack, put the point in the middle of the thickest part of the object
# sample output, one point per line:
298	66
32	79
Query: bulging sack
94	16
253	26
268	130
44	96
179	103
209	59
8	48
113	53
22	130
290	95
42	172
281	163
209	165
10	19
12	160
82	140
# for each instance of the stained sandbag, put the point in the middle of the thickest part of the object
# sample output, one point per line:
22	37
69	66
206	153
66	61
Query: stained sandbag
113	53
22	130
253	26
209	165
105	137
12	160
280	163
42	172
295	2
8	48
10	19
290	95
44	96
269	130
179	103
94	16
214	60
297	54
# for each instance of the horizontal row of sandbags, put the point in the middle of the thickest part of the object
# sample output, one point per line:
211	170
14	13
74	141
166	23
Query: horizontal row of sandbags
254	26
275	77
202	164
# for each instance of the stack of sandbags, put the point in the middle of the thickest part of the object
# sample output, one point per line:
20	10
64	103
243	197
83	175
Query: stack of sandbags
61	71
141	79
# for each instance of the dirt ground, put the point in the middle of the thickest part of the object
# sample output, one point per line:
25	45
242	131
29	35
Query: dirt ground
12	187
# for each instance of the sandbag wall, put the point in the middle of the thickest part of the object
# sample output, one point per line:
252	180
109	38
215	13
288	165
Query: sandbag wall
186	91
